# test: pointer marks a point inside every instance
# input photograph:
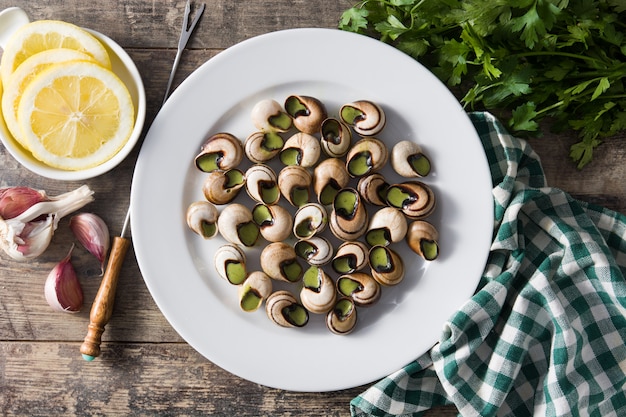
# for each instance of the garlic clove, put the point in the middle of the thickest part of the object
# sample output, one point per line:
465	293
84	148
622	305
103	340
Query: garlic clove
62	288
92	232
34	238
16	200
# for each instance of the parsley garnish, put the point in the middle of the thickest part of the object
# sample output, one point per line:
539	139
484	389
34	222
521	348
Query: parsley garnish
564	59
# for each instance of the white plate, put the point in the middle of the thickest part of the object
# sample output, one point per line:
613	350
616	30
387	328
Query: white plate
336	67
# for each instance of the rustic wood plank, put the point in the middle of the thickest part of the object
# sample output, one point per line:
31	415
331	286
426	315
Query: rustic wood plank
146	379
601	182
146	24
130	379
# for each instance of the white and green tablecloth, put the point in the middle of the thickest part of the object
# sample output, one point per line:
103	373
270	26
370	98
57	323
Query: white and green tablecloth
545	332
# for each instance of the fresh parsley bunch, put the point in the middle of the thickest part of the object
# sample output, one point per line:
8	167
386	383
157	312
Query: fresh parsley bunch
560	58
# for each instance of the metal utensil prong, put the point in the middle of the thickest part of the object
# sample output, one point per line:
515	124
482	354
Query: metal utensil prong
185	34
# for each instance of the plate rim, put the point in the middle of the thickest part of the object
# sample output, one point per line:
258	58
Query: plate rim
175	99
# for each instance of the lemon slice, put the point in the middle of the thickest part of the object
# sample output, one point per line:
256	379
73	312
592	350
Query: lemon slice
24	74
2	123
41	35
75	115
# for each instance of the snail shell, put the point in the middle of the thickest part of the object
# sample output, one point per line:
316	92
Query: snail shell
315	250
361	287
329	177
301	149
220	151
414	198
237	225
318	293
373	189
309	220
307	113
202	218
260	147
230	264
336	138
254	290
268	116
348	219
262	184
366	118
408	160
342	318
387	267
295	183
367	156
388	225
350	257
221	187
422	238
274	221
283	309
279	261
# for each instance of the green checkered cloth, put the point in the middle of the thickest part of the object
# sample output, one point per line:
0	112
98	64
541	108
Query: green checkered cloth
545	332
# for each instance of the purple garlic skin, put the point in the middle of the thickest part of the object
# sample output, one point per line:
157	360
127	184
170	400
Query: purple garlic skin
62	289
16	200
92	232
27	235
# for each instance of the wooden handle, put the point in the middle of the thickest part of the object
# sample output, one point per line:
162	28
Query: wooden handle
102	307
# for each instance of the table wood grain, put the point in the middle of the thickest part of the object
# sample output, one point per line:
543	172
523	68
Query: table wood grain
145	368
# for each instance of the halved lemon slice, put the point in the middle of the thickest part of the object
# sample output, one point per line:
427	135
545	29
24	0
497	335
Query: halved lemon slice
75	115
41	35
24	74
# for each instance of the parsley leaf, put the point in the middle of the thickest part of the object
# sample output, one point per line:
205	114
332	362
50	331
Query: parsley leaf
524	117
354	19
582	152
565	59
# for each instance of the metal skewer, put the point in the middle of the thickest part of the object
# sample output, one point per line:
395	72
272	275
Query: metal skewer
102	307
185	34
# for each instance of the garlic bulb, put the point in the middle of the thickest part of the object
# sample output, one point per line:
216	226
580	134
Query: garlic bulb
28	234
62	289
93	233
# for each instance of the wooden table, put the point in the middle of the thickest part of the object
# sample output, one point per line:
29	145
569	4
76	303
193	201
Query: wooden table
145	367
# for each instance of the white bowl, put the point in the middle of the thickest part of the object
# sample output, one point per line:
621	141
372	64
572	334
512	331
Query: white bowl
124	67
